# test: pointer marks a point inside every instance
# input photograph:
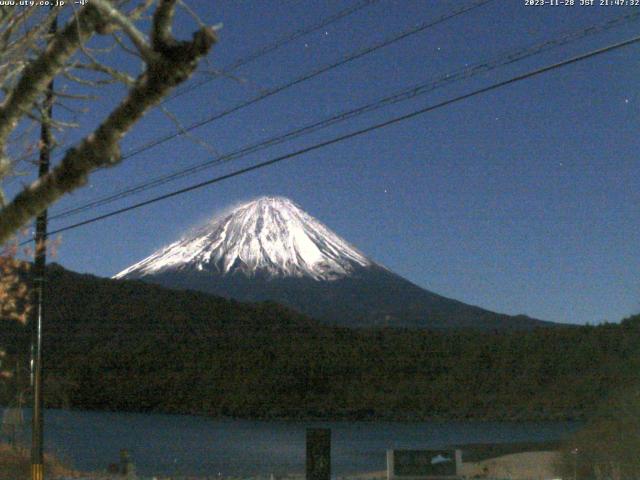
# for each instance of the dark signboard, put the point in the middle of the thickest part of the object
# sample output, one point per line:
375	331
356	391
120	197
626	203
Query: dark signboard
424	463
318	454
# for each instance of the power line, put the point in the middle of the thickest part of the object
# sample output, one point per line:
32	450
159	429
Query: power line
354	56
263	51
356	133
349	58
308	76
405	94
276	45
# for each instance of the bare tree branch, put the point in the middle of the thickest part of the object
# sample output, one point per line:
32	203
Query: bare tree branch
137	12
120	42
136	36
37	75
114	74
172	62
162	19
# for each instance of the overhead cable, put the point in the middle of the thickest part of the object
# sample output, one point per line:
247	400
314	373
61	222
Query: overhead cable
403	95
354	134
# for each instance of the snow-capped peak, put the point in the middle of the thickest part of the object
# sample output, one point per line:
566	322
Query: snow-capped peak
269	236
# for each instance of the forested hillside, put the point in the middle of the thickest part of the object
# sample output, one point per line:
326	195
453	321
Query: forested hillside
127	345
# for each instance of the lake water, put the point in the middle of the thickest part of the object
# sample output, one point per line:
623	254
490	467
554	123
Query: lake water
190	445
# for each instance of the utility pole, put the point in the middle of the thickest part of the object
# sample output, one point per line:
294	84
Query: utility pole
39	280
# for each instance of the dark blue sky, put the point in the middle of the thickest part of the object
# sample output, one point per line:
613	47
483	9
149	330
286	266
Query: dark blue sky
522	200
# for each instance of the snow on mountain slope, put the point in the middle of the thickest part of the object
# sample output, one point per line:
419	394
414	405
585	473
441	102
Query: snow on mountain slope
269	236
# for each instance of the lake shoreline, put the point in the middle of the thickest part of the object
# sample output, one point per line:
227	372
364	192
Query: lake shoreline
164	445
398	417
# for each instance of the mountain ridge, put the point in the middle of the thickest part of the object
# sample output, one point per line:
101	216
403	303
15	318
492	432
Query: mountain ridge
270	249
124	345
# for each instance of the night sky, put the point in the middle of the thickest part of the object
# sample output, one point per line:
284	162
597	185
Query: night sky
521	200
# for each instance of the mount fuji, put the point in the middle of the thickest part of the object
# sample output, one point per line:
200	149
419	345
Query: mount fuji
270	249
